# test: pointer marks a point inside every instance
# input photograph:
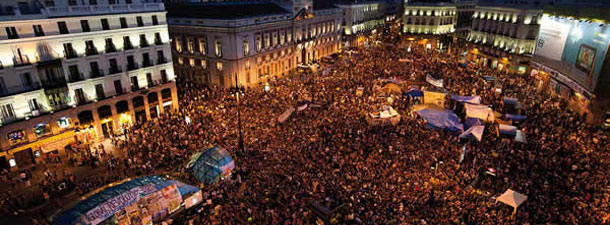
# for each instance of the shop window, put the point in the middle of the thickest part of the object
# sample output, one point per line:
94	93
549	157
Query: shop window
42	129
16	136
64	122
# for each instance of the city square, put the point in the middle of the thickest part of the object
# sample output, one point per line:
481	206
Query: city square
396	121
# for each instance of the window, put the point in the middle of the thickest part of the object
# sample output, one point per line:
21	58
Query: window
127	43
219	66
11	32
33	104
163	76
267	41
38	30
155	21
79	96
72	2
92	2
110	45
134	83
7	111
74	73
139	21
63	28
84	24
95	69
161	57
178	44
158	40
99	91
149	79
203	47
192	62
49	3
112	2
218	48
118	88
90	48
143	41
204	64
113	66
189	45
105	25
26	79
146	60
123	22
128	1
247	64
246	47
69	51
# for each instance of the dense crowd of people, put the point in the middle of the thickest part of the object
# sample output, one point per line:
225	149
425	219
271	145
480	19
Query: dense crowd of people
403	174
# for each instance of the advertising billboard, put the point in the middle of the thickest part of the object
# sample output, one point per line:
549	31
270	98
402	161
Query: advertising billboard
580	44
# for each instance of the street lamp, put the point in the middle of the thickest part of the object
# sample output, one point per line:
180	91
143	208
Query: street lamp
241	139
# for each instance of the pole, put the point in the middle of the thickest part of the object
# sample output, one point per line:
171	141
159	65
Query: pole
241	139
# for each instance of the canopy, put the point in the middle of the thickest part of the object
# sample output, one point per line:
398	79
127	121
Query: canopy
437	82
510	101
211	165
441	119
384	117
489	78
414	92
470	99
470	122
478	111
512	198
116	197
391	88
475	132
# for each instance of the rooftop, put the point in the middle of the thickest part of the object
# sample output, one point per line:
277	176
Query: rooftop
224	10
430	3
323	4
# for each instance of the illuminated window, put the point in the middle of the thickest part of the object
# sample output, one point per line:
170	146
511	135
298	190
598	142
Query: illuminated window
246	47
180	60
178	44
190	45
247	64
204	64
259	44
219	66
192	61
218	48
203	47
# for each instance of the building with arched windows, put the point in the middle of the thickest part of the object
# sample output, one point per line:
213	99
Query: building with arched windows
79	71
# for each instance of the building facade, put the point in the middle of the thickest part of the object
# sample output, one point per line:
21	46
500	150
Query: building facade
74	72
435	17
505	36
255	41
465	10
359	19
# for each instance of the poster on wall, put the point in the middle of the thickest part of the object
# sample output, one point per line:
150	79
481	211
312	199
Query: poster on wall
585	58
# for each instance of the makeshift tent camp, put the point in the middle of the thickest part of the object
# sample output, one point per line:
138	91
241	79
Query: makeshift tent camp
446	120
470	122
470	99
475	132
479	111
512	198
211	165
436	98
158	195
507	130
414	92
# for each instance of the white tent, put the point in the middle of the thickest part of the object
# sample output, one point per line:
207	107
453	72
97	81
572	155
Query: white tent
482	112
474	131
512	198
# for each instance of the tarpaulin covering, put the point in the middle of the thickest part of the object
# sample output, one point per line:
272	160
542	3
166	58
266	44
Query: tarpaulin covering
437	82
285	115
512	198
475	132
436	98
510	101
478	111
470	122
508	130
469	99
112	199
211	165
441	120
489	78
509	116
414	92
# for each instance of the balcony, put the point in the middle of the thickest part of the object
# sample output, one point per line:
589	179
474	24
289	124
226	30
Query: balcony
132	66
21	61
76	77
114	70
147	63
110	48
19	89
161	60
79	10
158	41
96	73
55	83
144	44
91	51
127	46
70	54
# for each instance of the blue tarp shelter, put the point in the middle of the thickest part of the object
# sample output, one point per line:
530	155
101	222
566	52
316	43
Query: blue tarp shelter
472	99
75	214
515	117
470	122
489	78
414	92
211	165
446	120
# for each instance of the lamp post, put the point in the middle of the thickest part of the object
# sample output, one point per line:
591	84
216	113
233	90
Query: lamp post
241	139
